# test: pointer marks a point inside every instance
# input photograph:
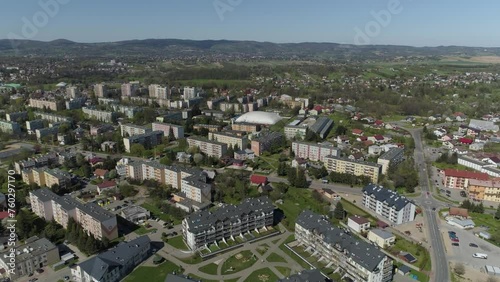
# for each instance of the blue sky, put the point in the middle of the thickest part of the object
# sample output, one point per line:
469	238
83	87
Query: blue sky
412	22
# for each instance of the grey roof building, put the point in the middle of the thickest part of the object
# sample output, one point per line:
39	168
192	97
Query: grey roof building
391	158
205	227
322	126
360	260
389	204
115	263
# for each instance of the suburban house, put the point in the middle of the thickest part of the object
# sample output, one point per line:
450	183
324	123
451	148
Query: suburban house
381	237
258	179
358	223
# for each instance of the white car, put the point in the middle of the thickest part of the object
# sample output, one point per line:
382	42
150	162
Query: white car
480	255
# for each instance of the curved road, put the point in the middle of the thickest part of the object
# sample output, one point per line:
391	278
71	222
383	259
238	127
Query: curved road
440	265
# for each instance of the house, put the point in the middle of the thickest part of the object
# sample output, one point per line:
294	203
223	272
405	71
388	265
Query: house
378	124
381	237
183	157
100	173
299	162
458	213
330	194
465	141
375	150
95	161
106	186
377	139
445	138
448	145
476	147
358	223
362	138
459	116
135	214
239	163
342	139
265	188
410	119
258	179
357	132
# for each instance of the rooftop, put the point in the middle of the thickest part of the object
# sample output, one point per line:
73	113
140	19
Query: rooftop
390	197
465	174
391	154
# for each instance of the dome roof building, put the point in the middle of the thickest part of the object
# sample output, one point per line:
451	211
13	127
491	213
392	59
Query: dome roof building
259	117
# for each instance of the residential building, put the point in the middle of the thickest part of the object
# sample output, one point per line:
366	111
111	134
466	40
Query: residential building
359	260
203	228
76	103
135	214
482	190
266	142
46	104
210	148
294	130
158	92
314	152
114	264
129	129
189	93
100	90
483	125
382	238
48	131
177	130
10	127
32	125
458	179
390	159
389	204
247	127
99	115
17	117
52	117
129	89
483	165
35	253
322	126
36	162
209	127
99	129
72	91
148	140
128	111
196	188
46	177
358	224
229	139
91	217
358	168
245	154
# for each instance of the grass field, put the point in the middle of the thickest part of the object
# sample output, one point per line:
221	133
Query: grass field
143	230
159	214
264	275
177	243
151	273
209	268
487	220
422	254
274	257
284	270
238	262
291	254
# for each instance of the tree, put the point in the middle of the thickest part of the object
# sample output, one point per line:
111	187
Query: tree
459	269
497	214
282	169
301	181
339	212
340	130
137	150
292	176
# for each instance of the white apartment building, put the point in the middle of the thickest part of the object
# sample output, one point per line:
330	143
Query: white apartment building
10	127
389	204
314	151
360	260
100	90
210	148
353	167
189	93
177	130
132	129
99	115
229	139
158	92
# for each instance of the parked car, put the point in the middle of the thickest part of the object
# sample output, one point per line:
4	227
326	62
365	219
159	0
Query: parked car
452	232
66	278
455	239
473	245
480	255
455	244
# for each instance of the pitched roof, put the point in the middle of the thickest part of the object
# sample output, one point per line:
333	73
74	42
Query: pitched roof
106	184
465	174
454	211
390	197
359	219
100	172
258	179
357	131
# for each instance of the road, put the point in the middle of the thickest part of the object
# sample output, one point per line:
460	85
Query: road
427	202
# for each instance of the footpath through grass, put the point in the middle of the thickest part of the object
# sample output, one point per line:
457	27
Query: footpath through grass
263	274
178	243
153	273
238	262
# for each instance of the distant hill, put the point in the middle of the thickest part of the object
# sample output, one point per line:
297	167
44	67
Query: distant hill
186	48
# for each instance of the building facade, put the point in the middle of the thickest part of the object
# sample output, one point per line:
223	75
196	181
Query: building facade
46	104
391	158
148	140
129	129
488	190
314	152
10	127
177	130
458	179
389	204
358	168
210	148
229	139
266	142
99	115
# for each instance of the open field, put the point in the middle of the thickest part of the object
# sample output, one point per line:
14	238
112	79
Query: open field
474	59
152	273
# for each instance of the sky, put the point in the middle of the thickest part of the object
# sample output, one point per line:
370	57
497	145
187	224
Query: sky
394	22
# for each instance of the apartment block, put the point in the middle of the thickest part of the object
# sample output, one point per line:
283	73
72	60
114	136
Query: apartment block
358	168
205	227
479	165
210	148
10	127
458	179
129	89
360	260
314	151
189	93
209	127
100	90
389	204
129	129
36	162
148	140
177	130
229	139
101	128
52	117
114	264
390	159
35	253
46	177
488	190
266	142
17	116
72	91
32	125
93	219
46	104
295	131
48	131
247	127
159	92
99	115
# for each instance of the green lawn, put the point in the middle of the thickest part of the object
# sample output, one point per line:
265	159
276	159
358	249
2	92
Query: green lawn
233	264
209	268
143	230
264	275
297	200
490	221
191	260
274	257
284	270
352	209
178	243
422	254
159	214
291	254
262	249
153	273
198	278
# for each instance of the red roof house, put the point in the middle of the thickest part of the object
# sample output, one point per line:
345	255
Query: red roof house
258	179
108	184
357	132
466	141
100	173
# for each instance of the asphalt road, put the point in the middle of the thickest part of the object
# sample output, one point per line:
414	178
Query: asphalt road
427	202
